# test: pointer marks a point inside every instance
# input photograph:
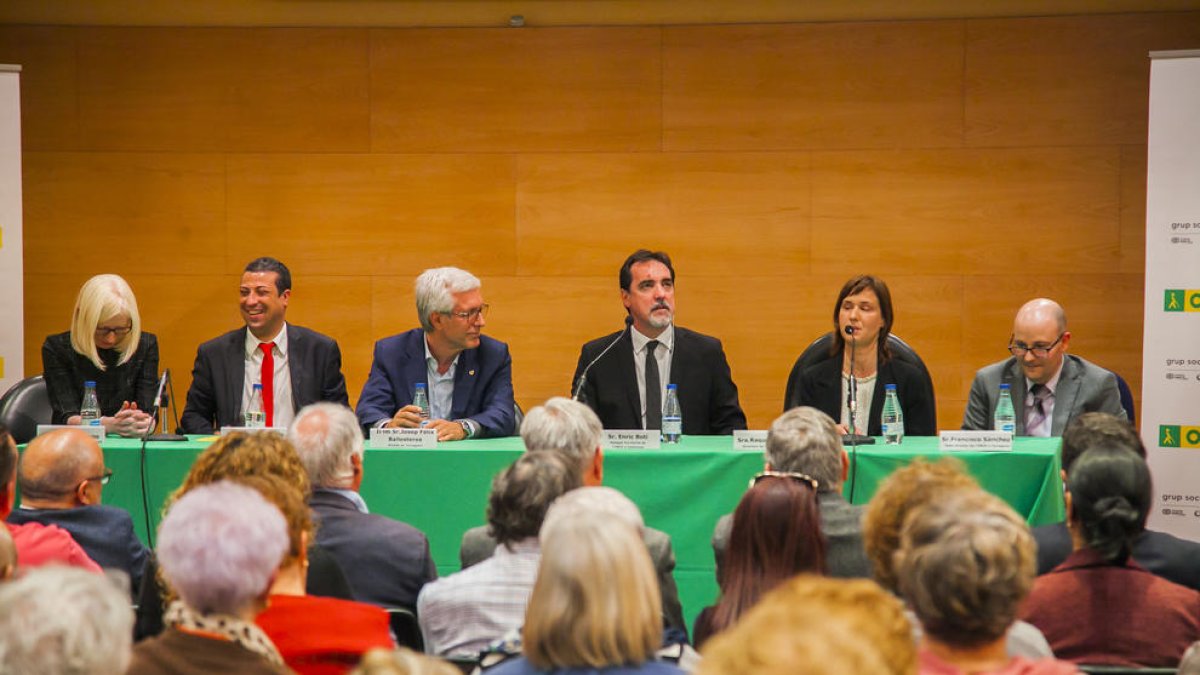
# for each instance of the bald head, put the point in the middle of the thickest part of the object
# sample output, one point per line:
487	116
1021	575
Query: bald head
1040	326
1041	310
54	467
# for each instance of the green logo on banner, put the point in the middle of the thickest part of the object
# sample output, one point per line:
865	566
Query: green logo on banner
1173	300
1168	436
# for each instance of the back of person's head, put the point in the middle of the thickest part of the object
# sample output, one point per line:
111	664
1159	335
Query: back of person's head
965	564
904	491
8	554
776	534
104	297
435	288
58	620
326	436
522	493
1190	664
805	440
599	499
402	661
596	601
1093	429
54	464
246	454
815	625
219	547
290	502
567	427
1109	499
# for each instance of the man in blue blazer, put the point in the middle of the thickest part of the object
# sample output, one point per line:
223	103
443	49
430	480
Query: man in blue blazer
468	376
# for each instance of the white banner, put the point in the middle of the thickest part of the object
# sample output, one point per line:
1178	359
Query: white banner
12	308
1171	342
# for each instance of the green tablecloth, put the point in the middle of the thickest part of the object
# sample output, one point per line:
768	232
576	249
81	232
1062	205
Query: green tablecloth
681	490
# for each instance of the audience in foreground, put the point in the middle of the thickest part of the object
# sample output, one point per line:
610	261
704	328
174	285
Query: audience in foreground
59	620
814	625
776	534
965	564
219	547
1099	606
402	661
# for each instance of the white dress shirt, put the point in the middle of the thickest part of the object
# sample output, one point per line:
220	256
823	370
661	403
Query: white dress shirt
283	411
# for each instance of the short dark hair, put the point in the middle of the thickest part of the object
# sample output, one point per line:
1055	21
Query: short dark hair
860	283
1096	428
283	282
523	492
8	456
1110	499
640	256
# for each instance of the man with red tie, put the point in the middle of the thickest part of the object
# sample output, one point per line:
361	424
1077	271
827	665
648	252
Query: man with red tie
295	366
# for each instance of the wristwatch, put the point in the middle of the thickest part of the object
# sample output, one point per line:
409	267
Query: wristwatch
466	427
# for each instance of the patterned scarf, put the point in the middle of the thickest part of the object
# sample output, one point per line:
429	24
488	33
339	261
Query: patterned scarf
240	632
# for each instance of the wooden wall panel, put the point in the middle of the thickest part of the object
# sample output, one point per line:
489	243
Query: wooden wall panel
210	89
967	211
373	214
49	119
771	87
504	90
1133	209
1066	80
711	211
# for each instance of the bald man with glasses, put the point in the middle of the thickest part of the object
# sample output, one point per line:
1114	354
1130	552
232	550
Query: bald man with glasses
1049	386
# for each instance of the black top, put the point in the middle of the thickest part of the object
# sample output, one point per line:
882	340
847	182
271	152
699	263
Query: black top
66	370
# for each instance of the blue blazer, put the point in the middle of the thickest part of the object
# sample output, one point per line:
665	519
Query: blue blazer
483	389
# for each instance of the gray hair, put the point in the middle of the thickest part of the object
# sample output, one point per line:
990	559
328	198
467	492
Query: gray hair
522	493
220	545
805	440
566	427
64	621
594	500
326	436
435	290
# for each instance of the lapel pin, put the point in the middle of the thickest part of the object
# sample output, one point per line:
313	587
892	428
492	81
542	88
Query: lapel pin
471	373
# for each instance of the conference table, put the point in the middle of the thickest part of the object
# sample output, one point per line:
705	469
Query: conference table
681	489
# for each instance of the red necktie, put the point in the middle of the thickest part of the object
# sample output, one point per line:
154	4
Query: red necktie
268	381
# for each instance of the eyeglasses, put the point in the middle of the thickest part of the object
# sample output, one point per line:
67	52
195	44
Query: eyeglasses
1019	349
103	478
470	315
802	478
118	332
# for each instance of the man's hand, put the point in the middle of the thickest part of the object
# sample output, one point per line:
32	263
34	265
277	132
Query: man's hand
408	417
447	430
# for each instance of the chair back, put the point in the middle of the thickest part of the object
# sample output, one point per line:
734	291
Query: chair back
1126	398
24	406
405	628
1125	670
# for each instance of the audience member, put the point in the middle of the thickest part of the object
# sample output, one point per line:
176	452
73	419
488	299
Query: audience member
907	490
805	440
814	625
402	662
8	555
37	544
965	564
387	561
105	345
62	477
1099	606
776	534
1168	556
572	430
595	605
468	375
1049	387
219	546
295	366
1190	665
652	352
58	620
462	613
863	311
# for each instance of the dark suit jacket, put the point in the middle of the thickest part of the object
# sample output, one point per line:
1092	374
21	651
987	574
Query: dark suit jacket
65	371
386	561
483	388
105	533
215	397
1082	387
478	545
841	523
707	394
1174	559
820	386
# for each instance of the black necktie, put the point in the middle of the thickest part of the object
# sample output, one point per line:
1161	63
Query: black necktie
653	389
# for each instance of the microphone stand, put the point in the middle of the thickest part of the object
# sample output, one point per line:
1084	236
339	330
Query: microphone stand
584	373
853	439
164	434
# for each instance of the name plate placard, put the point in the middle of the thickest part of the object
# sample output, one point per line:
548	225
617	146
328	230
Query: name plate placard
750	440
975	441
421	439
632	439
95	430
282	431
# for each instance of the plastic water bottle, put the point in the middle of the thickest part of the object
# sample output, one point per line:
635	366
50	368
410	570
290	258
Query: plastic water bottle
255	417
892	419
672	416
89	408
1005	419
421	400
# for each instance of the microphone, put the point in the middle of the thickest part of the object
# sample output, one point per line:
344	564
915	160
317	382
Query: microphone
586	369
849	330
162	384
164	434
853	439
